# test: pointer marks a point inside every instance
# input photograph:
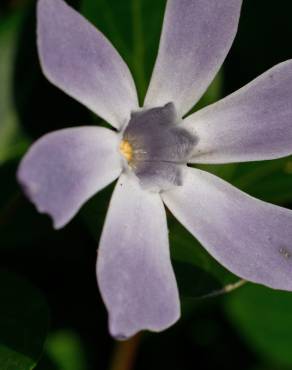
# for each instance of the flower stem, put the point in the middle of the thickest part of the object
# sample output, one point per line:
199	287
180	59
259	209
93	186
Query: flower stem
226	289
125	353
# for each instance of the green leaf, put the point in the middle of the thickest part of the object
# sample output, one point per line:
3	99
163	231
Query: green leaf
268	180
23	323
197	272
264	319
12	140
64	349
194	282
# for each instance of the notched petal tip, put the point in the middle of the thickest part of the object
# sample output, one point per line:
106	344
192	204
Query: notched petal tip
58	180
30	190
117	329
118	333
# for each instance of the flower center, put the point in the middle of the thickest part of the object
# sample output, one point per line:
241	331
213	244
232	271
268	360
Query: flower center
126	150
156	147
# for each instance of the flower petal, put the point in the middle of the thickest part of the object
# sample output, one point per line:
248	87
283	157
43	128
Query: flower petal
196	37
78	59
251	238
133	267
63	169
254	123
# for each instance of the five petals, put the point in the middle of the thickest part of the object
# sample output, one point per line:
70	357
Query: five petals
64	169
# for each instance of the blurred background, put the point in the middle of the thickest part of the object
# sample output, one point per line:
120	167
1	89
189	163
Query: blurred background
51	313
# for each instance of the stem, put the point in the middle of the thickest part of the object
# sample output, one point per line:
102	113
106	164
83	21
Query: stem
227	289
125	354
230	287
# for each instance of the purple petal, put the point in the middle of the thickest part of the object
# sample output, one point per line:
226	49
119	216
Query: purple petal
251	238
63	169
196	37
133	267
254	123
78	59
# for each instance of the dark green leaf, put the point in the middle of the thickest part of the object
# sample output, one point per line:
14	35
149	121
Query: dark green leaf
12	141
194	282
23	323
269	180
264	318
207	275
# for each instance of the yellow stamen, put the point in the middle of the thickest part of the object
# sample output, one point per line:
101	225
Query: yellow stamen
127	150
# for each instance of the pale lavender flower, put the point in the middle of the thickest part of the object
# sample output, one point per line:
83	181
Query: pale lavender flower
150	151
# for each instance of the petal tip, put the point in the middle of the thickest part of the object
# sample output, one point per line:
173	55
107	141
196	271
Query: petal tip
124	331
120	335
30	190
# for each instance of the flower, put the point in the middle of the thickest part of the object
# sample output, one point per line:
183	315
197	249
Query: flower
149	153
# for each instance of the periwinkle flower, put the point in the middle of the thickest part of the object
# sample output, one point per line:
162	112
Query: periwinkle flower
149	153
